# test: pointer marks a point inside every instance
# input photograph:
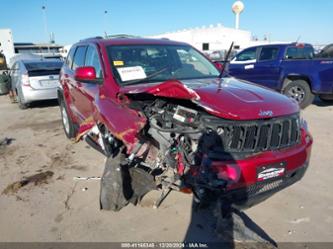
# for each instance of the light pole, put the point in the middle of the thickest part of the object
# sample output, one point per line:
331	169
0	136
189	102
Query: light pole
45	26
105	23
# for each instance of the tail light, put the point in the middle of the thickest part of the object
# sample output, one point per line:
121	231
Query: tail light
25	80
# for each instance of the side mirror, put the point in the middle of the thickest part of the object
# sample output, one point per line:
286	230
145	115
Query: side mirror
218	65
86	74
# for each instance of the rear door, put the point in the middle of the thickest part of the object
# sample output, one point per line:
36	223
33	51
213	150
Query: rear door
266	70
74	85
242	65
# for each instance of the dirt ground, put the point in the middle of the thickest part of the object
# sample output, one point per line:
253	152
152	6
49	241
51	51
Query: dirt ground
56	207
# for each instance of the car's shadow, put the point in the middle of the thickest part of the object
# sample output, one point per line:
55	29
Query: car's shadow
237	231
321	103
214	218
43	104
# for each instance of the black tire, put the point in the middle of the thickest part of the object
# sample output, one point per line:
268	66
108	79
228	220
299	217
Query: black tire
69	127
21	104
326	98
300	91
112	193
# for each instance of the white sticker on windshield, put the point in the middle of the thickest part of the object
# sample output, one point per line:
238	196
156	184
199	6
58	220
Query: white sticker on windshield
131	73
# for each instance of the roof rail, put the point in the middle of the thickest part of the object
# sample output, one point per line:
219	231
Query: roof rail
92	38
120	36
117	36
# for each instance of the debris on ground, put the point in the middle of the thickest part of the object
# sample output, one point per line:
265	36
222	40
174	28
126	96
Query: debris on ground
37	179
300	220
5	142
290	232
76	178
61	177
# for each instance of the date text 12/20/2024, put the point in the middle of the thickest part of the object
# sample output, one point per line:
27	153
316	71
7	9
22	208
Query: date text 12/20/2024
164	245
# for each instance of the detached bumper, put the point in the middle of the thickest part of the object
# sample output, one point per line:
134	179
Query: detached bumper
260	191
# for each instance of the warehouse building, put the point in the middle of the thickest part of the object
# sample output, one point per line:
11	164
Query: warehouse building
212	38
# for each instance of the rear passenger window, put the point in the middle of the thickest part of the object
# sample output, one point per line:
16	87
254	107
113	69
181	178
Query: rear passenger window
79	57
92	60
299	53
268	53
69	60
246	55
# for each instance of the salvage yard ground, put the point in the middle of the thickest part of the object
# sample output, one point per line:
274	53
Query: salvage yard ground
40	200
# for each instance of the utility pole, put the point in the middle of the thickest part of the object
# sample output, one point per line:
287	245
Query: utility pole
45	26
105	23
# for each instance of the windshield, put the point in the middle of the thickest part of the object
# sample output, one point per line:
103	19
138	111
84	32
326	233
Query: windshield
155	63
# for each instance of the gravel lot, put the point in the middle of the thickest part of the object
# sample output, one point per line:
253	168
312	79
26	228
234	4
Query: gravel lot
62	209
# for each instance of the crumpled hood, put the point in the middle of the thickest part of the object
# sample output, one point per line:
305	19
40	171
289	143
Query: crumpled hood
229	99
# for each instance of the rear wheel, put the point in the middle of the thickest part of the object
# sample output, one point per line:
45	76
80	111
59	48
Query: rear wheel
300	91
67	122
22	105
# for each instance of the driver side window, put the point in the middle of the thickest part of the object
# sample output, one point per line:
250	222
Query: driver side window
247	55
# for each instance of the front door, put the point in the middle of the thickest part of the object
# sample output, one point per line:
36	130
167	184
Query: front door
87	92
266	70
242	65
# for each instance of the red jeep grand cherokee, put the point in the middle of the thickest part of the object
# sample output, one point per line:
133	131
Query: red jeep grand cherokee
165	119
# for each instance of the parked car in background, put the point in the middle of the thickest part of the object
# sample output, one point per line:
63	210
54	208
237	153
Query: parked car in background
165	118
4	77
220	55
326	52
35	79
290	68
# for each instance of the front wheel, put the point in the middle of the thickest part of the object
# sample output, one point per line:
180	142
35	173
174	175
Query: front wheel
67	122
300	91
112	193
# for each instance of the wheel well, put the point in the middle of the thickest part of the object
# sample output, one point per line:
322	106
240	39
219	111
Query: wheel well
291	78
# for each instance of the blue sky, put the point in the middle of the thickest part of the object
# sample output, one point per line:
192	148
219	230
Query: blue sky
72	20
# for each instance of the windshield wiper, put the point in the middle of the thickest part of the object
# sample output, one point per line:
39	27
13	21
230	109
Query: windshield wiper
133	82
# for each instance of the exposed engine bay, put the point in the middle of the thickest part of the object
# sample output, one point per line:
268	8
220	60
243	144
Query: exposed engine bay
175	145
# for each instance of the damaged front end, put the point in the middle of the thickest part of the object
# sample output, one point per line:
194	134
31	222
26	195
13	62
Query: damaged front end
174	142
